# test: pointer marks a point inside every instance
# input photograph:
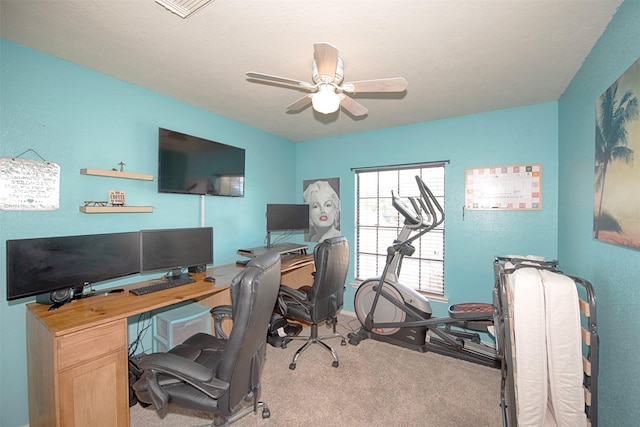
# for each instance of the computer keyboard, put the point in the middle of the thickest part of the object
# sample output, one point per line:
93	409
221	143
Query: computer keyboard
161	286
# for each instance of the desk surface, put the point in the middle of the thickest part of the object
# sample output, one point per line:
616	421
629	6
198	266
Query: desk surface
282	248
94	311
97	310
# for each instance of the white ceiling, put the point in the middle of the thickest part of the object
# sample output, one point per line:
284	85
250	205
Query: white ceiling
459	57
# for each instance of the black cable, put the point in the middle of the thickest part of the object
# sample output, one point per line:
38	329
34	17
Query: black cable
133	347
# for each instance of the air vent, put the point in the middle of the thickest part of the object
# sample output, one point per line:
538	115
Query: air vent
183	8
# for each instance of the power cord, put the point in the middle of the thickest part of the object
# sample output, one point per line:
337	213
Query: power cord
146	324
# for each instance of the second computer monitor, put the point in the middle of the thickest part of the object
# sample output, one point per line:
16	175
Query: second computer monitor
286	217
175	249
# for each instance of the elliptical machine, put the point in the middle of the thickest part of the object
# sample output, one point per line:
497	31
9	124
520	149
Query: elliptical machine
398	314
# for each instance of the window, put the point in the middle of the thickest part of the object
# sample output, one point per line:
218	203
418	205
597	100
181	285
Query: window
378	225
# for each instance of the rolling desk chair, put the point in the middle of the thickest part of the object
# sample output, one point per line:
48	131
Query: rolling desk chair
322	301
214	375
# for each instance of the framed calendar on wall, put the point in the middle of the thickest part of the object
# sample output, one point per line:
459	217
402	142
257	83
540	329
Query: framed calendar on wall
510	187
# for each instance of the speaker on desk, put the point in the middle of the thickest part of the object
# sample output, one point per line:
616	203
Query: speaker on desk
200	268
55	297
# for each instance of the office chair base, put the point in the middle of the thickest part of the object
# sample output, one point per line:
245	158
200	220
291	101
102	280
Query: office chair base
318	340
222	422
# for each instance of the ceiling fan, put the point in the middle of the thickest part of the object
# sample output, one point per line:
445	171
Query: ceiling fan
328	91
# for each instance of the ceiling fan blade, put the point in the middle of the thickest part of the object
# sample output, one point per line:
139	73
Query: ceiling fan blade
280	80
394	84
352	106
301	103
326	57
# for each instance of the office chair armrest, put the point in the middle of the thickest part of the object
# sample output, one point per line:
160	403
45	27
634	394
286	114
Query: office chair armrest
295	294
176	366
219	313
191	372
287	294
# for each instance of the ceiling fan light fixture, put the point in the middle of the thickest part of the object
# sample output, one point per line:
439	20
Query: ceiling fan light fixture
326	100
184	8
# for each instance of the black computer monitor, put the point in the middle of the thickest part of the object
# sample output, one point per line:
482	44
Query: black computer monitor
286	217
44	265
175	249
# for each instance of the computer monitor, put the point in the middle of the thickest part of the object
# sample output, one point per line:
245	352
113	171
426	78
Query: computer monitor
175	249
286	217
43	265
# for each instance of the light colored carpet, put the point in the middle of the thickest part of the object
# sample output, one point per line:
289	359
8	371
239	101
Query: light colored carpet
376	384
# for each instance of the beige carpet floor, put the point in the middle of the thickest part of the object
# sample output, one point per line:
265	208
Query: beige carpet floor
376	384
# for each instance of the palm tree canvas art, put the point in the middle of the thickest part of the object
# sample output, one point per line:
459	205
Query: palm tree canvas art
616	205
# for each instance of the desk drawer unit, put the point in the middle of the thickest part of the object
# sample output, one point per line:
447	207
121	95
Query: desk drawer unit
86	345
78	378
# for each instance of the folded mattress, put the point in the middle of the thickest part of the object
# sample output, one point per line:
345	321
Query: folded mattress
546	344
564	350
530	349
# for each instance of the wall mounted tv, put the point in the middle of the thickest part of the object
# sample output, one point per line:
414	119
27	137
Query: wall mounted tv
43	265
191	165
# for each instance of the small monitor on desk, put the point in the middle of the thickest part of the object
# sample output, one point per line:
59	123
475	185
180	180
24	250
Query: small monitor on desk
175	249
286	218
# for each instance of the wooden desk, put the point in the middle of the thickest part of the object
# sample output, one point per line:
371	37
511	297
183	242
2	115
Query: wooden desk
297	270
77	356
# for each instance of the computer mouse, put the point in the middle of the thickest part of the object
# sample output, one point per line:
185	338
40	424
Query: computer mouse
209	279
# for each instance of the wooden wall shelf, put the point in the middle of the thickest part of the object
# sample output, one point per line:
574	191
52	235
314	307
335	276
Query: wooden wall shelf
115	209
116	174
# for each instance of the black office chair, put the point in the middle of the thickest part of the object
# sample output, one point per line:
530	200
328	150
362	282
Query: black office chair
322	301
216	375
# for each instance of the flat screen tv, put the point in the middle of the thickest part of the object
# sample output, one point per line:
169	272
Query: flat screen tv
191	165
44	265
175	249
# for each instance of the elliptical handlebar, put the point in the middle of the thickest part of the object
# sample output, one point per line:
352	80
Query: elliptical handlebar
427	213
430	204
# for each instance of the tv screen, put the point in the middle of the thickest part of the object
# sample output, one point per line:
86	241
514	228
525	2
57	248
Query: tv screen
43	265
191	165
174	249
283	217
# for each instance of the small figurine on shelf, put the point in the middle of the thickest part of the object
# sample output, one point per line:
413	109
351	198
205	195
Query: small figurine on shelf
122	165
117	197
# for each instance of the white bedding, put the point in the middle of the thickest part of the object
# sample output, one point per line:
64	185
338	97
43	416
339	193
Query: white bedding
547	349
564	350
530	364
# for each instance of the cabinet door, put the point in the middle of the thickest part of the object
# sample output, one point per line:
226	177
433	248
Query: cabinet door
96	393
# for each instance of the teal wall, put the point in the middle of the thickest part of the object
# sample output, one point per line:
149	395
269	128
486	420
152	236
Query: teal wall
613	270
472	240
78	118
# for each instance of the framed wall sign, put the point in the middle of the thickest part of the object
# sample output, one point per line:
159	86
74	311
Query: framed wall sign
29	185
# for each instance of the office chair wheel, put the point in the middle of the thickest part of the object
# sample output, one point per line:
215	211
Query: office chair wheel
266	413
335	364
343	342
292	366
